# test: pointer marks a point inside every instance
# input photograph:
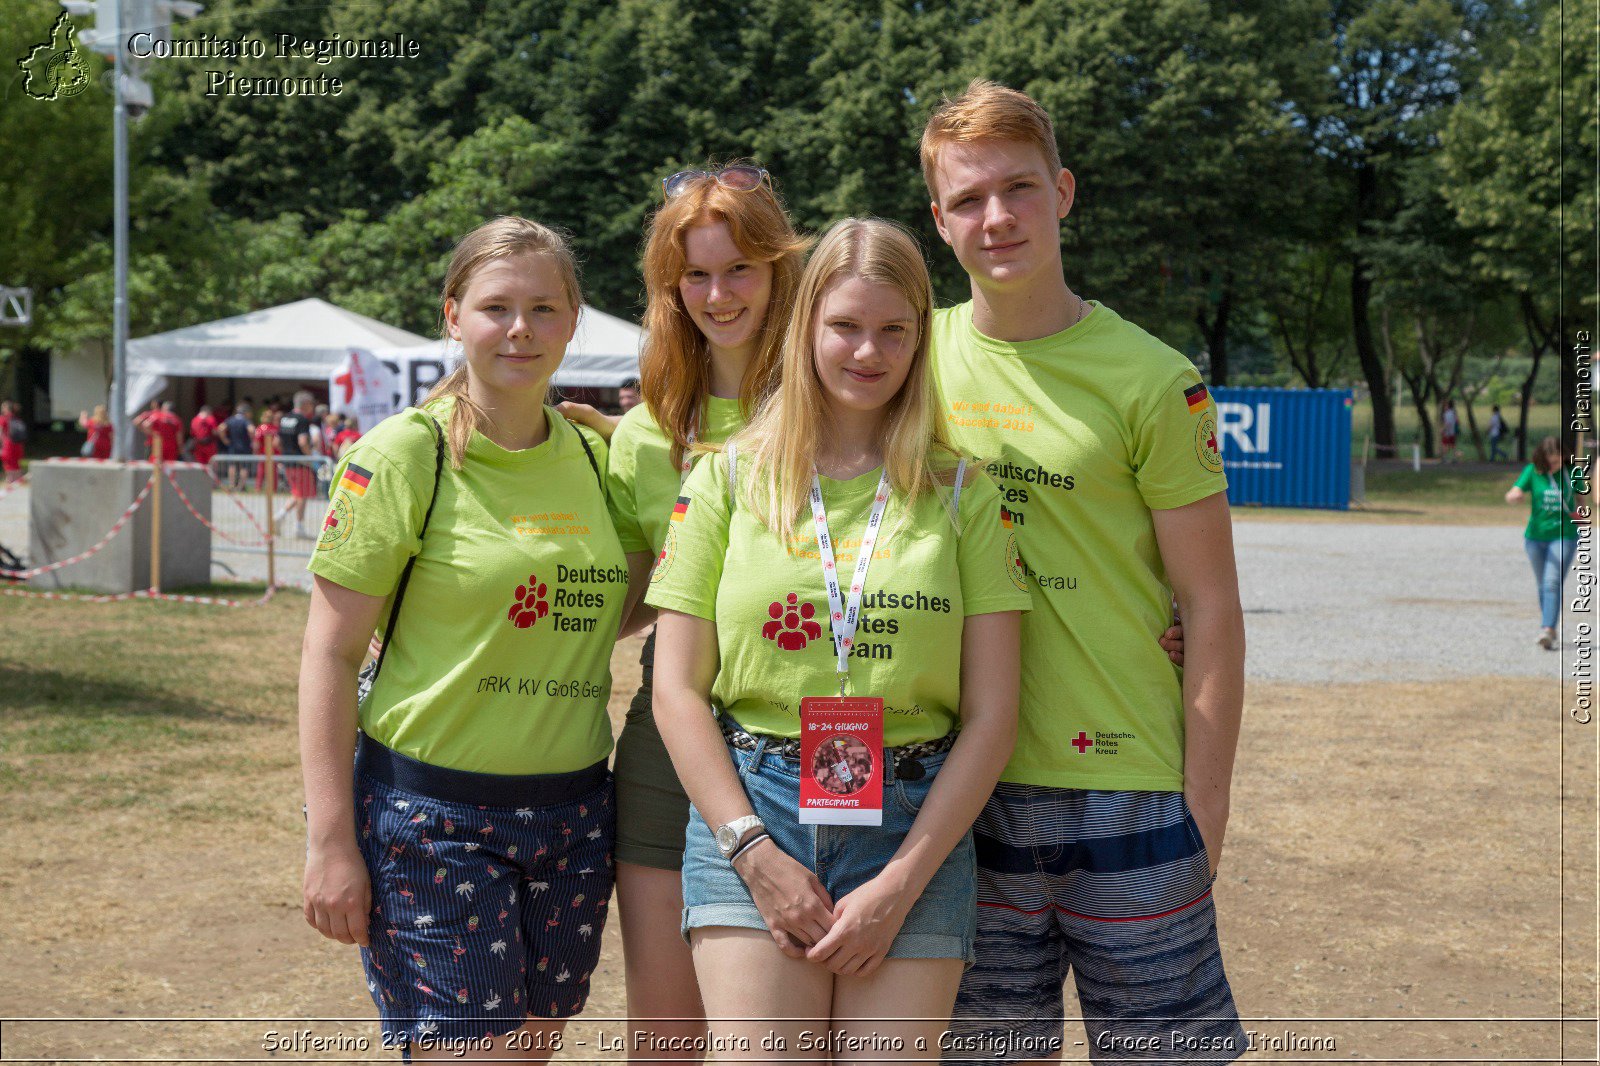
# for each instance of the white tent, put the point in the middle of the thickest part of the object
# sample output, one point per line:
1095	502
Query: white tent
603	354
307	339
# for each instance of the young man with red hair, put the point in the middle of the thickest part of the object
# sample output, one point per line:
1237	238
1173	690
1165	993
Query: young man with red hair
1097	851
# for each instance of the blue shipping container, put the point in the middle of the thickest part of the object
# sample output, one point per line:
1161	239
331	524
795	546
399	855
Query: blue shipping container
1285	447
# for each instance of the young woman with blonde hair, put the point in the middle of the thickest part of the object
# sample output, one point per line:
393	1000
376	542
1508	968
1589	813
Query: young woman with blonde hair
836	928
472	858
721	265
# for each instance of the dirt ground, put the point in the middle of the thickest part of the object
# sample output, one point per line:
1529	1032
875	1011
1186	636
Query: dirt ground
1391	888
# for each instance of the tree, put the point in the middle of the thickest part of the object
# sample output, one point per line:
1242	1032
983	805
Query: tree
56	175
1519	167
1393	66
1173	116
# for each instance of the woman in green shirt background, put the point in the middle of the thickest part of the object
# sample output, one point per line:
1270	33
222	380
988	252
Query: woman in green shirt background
1551	539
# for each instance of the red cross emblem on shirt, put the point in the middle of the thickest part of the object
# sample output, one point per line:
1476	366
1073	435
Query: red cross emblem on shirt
1082	742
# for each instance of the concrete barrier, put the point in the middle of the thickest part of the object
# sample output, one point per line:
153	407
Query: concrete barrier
73	505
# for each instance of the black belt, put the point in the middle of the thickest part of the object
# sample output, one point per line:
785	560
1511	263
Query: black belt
905	758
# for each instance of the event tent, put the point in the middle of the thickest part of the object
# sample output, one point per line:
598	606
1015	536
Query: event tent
306	340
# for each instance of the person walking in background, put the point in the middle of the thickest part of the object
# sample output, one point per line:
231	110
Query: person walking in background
162	423
13	435
295	439
203	435
98	427
1449	426
1550	538
1497	433
236	433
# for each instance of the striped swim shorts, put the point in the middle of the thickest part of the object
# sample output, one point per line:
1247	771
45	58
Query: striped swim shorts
1113	888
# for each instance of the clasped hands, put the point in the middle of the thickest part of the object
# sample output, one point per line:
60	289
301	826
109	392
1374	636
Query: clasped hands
851	937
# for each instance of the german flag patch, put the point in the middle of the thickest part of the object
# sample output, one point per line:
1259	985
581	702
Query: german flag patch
680	508
1197	396
355	480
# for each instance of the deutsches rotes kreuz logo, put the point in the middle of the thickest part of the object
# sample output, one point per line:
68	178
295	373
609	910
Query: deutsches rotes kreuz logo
55	69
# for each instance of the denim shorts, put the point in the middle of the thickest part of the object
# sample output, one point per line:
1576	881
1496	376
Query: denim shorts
942	923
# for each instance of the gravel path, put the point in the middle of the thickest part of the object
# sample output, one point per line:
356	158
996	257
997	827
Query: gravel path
1374	602
1324	601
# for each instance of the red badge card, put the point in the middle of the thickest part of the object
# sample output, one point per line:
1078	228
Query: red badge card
841	760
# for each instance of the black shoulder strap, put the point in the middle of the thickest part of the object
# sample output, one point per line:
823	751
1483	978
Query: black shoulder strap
405	575
583	440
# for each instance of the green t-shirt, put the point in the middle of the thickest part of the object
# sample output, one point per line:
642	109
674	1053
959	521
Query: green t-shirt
500	661
642	481
771	608
1087	432
1552	504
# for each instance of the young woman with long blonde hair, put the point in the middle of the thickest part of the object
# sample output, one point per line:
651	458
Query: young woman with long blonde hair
471	855
849	930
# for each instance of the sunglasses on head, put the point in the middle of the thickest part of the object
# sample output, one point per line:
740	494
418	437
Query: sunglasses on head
740	177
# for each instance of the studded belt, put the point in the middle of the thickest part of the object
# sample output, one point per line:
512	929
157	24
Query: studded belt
905	757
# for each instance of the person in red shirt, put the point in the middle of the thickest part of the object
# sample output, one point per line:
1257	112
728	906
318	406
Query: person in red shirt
163	423
98	427
203	431
266	436
12	434
348	434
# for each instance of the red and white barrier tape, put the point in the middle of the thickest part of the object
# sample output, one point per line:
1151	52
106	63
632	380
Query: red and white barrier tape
172	479
218	486
142	594
116	527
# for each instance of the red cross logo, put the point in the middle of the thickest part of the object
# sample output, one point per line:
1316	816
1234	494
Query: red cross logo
1211	441
349	386
1082	742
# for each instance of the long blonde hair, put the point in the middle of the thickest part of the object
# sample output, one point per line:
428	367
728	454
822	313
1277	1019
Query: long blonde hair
777	451
499	238
675	365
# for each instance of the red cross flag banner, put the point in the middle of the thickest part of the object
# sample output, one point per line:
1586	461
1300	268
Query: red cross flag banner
841	760
364	389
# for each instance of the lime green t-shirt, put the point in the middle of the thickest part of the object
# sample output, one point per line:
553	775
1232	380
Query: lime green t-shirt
1552	504
500	661
1087	432
771	608
643	483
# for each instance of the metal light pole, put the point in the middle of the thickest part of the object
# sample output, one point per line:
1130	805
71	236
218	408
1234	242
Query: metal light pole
121	431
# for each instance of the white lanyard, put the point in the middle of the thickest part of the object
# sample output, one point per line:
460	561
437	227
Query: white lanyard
844	618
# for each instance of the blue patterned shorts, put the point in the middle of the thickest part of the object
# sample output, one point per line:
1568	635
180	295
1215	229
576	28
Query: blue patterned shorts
1113	888
482	914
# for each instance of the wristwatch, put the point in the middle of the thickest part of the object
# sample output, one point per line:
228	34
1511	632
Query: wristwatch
728	836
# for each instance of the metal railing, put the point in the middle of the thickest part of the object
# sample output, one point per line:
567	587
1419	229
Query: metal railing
247	512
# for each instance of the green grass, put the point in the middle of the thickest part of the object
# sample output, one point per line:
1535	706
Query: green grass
1442	484
1543	420
106	705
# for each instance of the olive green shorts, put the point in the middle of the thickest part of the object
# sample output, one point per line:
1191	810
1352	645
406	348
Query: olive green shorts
652	808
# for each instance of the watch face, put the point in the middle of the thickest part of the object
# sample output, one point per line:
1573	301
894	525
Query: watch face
726	838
